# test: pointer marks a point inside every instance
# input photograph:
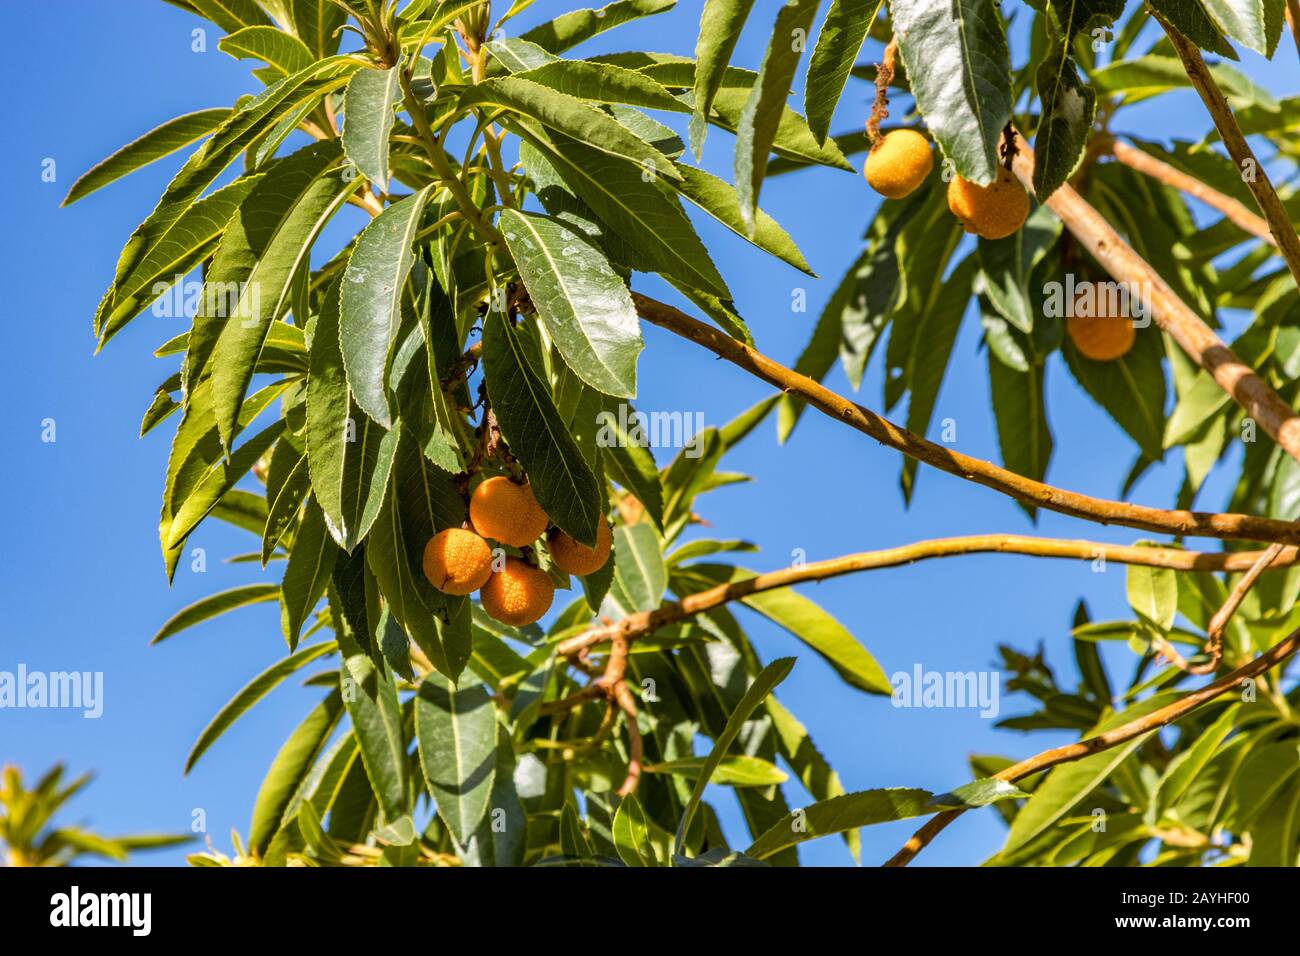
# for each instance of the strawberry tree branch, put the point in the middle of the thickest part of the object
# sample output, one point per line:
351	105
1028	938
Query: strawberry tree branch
1036	493
646	622
1184	326
1234	140
1236	212
1111	738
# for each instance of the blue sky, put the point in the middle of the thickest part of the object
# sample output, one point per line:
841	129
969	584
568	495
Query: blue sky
84	586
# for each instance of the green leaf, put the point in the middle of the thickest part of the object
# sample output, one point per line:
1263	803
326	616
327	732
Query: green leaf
283	52
371	699
252	274
977	793
717	197
602	83
640	577
759	120
1020	409
564	484
456	729
734	770
801	617
231	15
368	456
813	770
577	26
838	814
154	145
570	116
721	24
286	498
1242	20
584	304
215	605
316	23
289	769
1131	388
371	301
328	408
368	120
1068	111
1153	594
502	837
1190	19
307	573
1076	16
841	37
957	59
765	681
257	688
632	834
640	210
632	465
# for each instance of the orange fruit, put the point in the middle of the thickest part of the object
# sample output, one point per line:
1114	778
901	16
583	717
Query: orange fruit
898	163
574	558
518	594
994	211
1102	338
457	561
506	512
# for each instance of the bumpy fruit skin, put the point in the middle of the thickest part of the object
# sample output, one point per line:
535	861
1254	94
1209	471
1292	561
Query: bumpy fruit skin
506	512
898	163
1102	338
457	561
994	211
574	558
518	594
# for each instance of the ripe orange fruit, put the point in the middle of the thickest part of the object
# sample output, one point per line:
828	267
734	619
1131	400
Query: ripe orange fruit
994	211
507	512
518	594
1102	338
574	558
898	163
457	561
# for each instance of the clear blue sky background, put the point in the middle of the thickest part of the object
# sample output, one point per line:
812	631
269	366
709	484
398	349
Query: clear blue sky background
84	587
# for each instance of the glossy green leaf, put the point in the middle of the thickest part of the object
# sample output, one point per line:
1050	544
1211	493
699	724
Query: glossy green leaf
577	26
456	729
632	837
838	814
734	770
840	39
154	145
368	120
562	481
640	577
307	573
1153	594
283	52
977	793
584	304
371	301
1068	110
721	23
957	59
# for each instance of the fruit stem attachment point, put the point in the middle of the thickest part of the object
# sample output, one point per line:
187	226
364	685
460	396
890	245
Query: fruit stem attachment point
884	76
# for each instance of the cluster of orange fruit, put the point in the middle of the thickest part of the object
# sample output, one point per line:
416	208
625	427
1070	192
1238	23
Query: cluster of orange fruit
459	560
902	160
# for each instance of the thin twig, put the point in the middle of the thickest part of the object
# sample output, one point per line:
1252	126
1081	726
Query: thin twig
1234	141
1181	523
1219	623
646	622
1111	738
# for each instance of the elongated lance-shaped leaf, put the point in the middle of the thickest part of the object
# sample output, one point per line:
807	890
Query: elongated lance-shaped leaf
231	15
307	573
721	23
257	688
215	605
764	683
289	769
843	31
584	304
570	116
329	427
456	730
838	815
761	117
287	487
371	301
561	479
368	120
316	23
1068	111
368	456
632	834
241	129
639	576
959	65
284	53
154	145
191	241
265	294
569	29
602	83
